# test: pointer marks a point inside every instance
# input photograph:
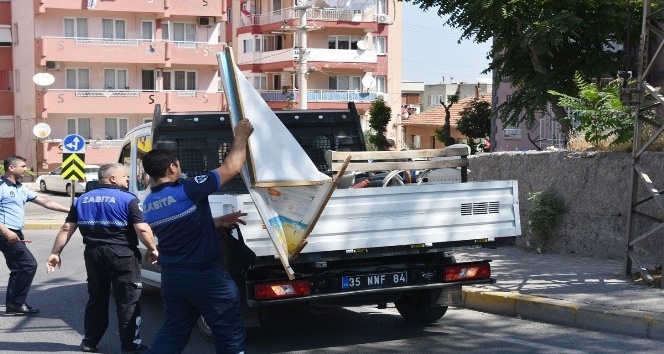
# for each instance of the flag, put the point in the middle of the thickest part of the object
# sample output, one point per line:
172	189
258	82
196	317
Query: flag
288	190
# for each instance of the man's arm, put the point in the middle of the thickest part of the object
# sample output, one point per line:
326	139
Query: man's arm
61	241
50	204
227	221
144	233
238	155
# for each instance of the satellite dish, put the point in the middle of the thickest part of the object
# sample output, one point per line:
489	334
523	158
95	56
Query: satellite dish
368	82
362	45
43	79
41	130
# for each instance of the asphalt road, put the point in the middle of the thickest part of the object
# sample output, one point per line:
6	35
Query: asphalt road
62	297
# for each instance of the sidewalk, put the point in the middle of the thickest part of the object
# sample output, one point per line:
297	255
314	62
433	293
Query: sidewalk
569	290
38	218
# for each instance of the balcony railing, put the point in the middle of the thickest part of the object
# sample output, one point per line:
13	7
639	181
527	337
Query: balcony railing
140	51
313	14
511	133
319	96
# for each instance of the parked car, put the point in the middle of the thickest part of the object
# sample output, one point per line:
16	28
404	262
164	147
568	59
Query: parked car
53	182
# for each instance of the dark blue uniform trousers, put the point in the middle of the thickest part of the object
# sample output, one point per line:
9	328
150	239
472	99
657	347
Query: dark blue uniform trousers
120	266
22	268
189	292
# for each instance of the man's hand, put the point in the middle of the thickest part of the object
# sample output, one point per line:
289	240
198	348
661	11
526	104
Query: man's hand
52	262
152	256
229	220
11	237
244	128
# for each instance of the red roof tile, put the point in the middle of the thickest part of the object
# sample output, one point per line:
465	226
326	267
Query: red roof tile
436	116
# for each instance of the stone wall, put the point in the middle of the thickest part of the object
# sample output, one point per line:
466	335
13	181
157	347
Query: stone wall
595	187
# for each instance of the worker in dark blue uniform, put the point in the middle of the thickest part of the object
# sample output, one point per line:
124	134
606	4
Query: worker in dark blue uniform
193	281
20	261
111	222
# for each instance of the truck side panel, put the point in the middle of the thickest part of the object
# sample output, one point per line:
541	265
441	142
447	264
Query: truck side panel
397	216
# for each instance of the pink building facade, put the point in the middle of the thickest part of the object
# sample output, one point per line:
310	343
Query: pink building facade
114	61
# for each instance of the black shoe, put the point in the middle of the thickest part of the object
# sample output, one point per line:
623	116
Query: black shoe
89	348
21	310
141	348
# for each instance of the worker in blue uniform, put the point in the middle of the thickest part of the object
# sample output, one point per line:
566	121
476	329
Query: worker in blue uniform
20	261
193	280
111	222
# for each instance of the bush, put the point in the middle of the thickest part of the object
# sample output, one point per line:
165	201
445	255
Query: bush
544	216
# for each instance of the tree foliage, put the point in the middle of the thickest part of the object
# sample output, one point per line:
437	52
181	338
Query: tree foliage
444	133
538	45
475	122
380	114
597	112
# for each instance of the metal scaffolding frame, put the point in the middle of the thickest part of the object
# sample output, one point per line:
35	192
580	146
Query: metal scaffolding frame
646	99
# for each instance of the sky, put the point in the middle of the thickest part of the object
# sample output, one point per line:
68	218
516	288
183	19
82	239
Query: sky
431	52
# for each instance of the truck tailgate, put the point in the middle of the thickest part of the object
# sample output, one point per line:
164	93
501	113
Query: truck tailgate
396	216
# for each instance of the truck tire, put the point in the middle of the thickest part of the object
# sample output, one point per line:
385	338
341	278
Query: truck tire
415	307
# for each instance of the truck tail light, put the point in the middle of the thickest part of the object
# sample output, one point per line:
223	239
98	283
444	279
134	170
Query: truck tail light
467	272
269	291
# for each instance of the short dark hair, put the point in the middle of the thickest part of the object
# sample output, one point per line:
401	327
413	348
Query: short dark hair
11	160
156	162
389	144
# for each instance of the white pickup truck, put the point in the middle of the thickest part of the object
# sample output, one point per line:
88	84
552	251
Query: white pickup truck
372	245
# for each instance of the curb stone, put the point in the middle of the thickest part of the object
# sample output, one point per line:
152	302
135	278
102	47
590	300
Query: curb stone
566	313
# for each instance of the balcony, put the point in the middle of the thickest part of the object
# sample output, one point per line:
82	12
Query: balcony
315	55
318	96
94	102
314	14
163	8
192	53
98	49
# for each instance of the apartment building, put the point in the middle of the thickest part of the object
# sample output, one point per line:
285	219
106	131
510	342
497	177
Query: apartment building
114	61
6	82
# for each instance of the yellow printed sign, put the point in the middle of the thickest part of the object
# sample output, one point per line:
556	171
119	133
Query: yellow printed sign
73	166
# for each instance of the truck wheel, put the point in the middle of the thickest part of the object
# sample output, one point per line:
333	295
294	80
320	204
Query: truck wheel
205	330
415	307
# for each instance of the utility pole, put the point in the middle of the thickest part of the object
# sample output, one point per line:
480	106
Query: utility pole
302	64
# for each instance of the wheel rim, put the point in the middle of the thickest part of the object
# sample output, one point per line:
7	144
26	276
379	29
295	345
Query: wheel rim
68	190
42	186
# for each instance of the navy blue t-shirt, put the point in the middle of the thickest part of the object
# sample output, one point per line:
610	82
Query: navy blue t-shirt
180	216
106	216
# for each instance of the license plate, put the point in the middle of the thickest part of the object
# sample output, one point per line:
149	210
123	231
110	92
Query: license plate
373	281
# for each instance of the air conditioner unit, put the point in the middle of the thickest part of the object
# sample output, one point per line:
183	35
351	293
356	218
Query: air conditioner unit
383	18
52	65
206	21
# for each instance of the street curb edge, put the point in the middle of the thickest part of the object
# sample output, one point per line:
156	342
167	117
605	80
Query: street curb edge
566	313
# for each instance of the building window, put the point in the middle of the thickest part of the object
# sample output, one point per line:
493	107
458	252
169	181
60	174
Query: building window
381	84
180	80
512	131
78	79
345	83
381	7
115	128
113	29
380	45
80	126
259	82
435	100
179	31
343	42
415	141
115	79
76	27
147	30
229	11
5	36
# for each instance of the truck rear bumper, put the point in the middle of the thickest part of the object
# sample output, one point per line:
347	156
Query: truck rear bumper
371	295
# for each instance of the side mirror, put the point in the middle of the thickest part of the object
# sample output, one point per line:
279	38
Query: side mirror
90	185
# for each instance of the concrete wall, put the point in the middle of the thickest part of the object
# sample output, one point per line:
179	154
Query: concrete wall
595	187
